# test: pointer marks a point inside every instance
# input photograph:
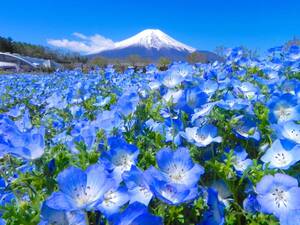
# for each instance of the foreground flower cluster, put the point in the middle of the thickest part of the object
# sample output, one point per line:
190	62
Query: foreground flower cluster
195	144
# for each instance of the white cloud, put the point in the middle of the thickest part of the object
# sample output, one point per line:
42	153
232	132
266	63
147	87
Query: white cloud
85	44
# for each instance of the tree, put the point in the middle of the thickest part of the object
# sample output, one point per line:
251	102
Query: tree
163	63
99	61
134	60
197	57
6	45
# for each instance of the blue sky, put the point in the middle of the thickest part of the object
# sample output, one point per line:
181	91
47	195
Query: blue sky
257	24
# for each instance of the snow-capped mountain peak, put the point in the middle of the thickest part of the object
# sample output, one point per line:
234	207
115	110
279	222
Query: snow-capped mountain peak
153	38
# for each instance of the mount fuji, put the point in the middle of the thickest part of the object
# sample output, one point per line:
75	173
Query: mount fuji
151	44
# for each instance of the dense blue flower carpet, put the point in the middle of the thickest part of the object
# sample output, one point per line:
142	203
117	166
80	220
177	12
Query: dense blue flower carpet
195	144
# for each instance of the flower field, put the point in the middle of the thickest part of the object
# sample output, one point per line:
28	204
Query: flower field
215	143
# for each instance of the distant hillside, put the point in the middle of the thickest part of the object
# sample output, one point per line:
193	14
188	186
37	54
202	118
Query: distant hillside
37	51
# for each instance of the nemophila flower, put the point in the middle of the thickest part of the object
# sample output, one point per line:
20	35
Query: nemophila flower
127	103
2	221
56	100
16	111
51	216
120	157
291	218
151	69
178	167
278	194
177	179
241	162
191	98
290	86
24	123
230	102
224	193
289	131
136	213
244	89
279	157
172	79
216	211
245	127
113	199
209	87
170	193
80	190
107	120
77	111
294	53
84	132
202	111
202	136
284	108
138	187
28	145
173	96
172	129
250	204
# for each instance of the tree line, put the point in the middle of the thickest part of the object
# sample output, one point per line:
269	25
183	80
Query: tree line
38	51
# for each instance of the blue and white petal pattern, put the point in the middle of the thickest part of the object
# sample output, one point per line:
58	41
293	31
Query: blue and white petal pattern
279	157
278	194
202	136
138	187
80	189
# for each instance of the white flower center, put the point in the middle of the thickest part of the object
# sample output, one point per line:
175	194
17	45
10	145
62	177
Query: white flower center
282	158
82	195
280	198
283	113
176	173
145	191
124	162
110	198
168	192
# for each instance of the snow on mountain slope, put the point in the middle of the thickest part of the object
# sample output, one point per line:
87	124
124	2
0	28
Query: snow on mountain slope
152	38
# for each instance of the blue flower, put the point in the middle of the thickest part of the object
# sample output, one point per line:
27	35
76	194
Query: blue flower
170	193
246	89
120	157
127	103
250	204
291	218
215	214
279	157
240	162
176	181
80	189
178	167
136	213
230	102
138	187
288	131
113	199
52	216
209	87
191	98
171	79
278	194
202	136
246	128
28	145
203	111
284	108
